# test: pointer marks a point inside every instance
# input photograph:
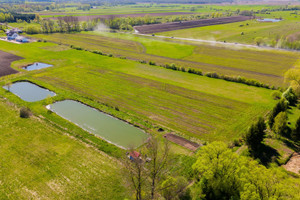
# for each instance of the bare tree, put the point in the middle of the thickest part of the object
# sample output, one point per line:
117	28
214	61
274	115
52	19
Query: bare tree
137	174
157	162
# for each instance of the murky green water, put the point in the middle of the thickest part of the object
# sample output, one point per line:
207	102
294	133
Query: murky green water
36	66
29	91
107	127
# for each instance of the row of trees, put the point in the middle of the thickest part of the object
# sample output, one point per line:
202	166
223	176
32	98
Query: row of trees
6	17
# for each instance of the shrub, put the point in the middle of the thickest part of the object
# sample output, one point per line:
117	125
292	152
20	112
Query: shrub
25	112
276	95
152	63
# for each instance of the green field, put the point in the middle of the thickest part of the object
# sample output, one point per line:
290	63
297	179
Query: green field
39	161
247	31
267	66
187	104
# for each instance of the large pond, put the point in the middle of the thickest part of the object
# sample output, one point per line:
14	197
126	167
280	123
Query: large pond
36	66
105	126
29	91
269	20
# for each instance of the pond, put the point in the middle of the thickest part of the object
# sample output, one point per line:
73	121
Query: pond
36	66
29	91
103	125
269	20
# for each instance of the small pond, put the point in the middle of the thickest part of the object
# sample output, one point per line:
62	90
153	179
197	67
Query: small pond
269	20
36	66
29	91
105	126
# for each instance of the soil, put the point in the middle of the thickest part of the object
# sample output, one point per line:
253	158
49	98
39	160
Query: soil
182	141
156	28
91	17
294	163
5	61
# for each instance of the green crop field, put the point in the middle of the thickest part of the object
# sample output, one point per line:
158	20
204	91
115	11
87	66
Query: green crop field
200	107
267	66
247	31
39	161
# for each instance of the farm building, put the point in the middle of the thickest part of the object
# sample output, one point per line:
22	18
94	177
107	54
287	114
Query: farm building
133	155
12	36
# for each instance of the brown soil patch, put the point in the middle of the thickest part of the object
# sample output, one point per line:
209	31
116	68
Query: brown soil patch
5	61
182	141
155	28
294	163
91	17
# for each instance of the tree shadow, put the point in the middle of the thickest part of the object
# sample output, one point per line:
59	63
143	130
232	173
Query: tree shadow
290	144
265	154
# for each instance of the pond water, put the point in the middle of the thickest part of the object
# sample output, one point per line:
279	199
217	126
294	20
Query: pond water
29	91
36	66
269	20
105	126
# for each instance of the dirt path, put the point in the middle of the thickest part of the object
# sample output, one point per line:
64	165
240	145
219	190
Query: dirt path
294	163
182	141
212	42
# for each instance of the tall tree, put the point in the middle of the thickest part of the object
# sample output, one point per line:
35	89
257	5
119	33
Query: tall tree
256	134
158	162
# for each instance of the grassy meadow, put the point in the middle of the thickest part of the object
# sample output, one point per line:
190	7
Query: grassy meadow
40	161
190	105
267	66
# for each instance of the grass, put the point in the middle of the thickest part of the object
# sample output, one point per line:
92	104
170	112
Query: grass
190	105
265	66
40	161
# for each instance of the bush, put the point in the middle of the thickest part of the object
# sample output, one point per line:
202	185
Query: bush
76	47
152	63
276	95
25	112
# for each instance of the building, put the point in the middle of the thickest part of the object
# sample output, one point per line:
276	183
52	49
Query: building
12	36
133	155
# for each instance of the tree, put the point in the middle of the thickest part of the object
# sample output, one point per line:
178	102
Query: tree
258	41
280	123
256	134
281	106
296	131
137	175
217	170
158	162
290	96
173	187
292	76
222	174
